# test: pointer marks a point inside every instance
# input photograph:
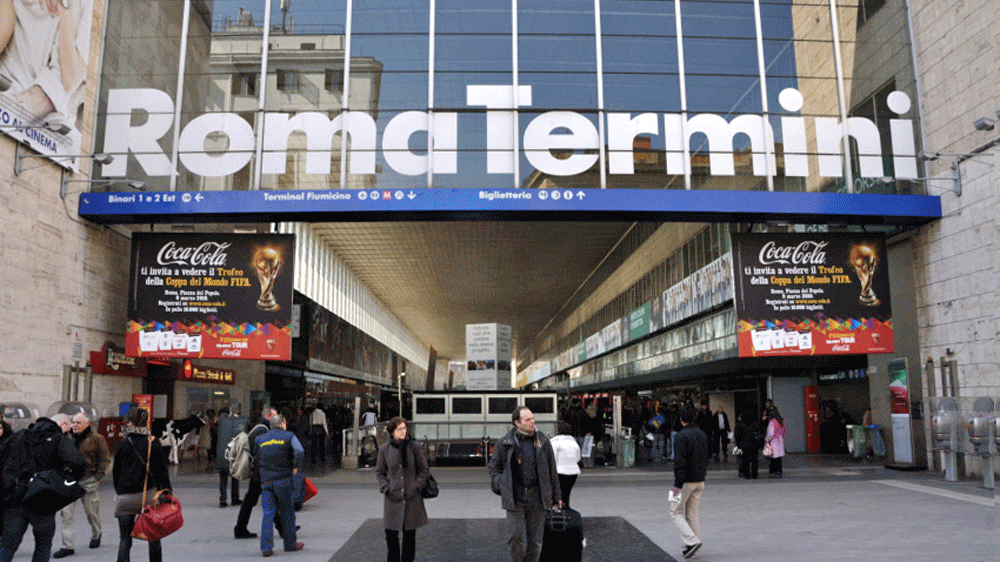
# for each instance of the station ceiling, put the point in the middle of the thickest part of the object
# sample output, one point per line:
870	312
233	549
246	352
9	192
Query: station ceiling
436	277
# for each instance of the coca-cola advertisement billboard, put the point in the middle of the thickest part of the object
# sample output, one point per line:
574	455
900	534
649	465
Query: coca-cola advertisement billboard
812	294
223	296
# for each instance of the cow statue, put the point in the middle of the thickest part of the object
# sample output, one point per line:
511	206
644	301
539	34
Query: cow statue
176	435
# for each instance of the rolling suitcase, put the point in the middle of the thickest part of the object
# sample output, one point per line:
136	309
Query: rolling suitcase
563	537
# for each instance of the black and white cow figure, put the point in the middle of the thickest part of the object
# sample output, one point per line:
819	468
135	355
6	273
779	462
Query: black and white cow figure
177	435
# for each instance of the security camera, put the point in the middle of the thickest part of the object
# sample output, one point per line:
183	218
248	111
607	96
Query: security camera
984	124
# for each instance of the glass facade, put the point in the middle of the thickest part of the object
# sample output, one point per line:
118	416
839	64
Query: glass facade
657	94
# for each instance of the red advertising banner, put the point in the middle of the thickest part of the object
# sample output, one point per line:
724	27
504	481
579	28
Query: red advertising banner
111	360
218	296
812	294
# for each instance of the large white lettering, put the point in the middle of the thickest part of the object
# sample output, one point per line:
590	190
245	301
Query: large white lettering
556	143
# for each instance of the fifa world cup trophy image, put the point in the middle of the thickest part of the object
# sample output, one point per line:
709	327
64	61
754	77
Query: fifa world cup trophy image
267	263
864	258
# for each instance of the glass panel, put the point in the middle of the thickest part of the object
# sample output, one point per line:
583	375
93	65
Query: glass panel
502	404
562	168
640	56
540	405
429	405
467	405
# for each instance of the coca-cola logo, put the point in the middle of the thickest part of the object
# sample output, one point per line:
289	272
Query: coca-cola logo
208	253
809	252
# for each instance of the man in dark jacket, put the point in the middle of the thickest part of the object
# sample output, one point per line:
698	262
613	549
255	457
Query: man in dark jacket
279	456
579	421
690	467
523	473
227	428
253	489
43	446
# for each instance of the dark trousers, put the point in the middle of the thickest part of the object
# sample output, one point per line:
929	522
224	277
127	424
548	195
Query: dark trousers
15	523
276	499
566	482
748	463
234	484
409	546
720	443
125	524
317	444
249	502
775	466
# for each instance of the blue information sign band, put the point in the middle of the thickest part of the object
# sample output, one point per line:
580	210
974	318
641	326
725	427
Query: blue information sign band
508	204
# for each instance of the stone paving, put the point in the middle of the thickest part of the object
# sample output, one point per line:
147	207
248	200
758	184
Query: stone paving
825	508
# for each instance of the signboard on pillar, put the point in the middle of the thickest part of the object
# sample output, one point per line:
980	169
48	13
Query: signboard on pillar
487	356
899	407
210	295
812	294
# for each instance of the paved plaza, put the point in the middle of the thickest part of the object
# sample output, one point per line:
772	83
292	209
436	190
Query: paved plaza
824	508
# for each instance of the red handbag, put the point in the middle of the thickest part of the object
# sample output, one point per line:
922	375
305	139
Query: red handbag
159	519
310	490
162	516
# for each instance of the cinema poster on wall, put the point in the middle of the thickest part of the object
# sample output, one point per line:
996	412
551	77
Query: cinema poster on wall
211	296
812	294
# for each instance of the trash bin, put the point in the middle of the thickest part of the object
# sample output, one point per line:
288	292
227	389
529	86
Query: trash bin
628	453
856	441
877	439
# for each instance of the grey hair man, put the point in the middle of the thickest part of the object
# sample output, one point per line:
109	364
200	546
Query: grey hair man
523	473
94	447
64	422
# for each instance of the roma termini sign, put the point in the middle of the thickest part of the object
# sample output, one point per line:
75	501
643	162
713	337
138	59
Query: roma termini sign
544	134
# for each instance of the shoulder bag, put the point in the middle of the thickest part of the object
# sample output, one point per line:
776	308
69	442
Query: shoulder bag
162	517
430	489
50	490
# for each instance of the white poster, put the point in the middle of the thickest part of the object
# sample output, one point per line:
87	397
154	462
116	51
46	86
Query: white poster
487	356
42	86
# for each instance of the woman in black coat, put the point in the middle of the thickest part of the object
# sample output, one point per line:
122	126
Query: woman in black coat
402	472
748	438
130	477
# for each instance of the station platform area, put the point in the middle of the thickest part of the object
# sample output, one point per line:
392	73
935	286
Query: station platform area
825	508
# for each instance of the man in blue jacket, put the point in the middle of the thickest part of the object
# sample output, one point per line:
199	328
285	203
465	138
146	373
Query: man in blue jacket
690	468
279	456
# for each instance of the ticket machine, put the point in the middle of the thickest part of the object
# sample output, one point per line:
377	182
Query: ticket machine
981	424
946	425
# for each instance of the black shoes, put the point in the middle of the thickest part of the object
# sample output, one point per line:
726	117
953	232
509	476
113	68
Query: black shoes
690	550
237	502
244	534
266	553
94	543
63	553
223	504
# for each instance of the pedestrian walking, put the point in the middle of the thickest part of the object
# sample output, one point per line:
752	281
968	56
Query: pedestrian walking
749	439
280	456
567	455
250	500
774	446
43	446
720	444
690	468
523	473
95	449
318	434
137	450
402	472
228	427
